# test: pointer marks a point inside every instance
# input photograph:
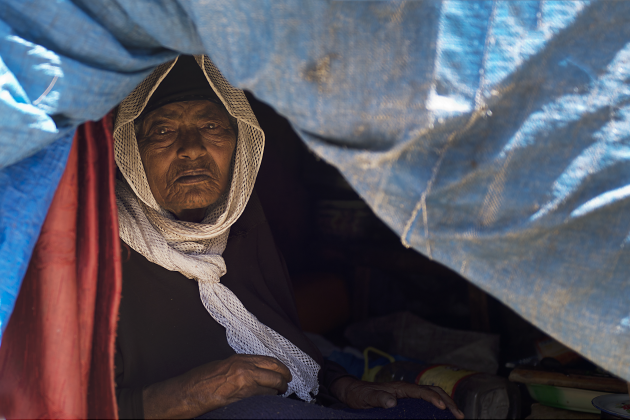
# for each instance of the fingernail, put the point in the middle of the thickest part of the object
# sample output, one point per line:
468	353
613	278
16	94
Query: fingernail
390	403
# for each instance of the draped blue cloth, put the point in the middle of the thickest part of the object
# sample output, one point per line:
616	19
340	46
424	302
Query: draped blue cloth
492	137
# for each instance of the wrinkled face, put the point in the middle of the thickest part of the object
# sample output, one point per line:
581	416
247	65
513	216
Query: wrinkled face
186	149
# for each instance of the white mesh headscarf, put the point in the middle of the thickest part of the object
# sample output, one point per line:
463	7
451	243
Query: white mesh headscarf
194	249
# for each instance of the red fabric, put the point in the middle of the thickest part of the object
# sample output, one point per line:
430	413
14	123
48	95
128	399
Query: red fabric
57	353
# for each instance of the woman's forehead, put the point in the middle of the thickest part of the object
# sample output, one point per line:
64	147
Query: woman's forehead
189	109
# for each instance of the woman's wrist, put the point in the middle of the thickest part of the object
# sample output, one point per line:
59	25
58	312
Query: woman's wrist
167	399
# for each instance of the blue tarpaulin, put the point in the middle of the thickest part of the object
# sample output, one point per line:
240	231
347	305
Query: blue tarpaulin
493	136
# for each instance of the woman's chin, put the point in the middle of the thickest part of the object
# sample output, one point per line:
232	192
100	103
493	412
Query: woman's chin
194	197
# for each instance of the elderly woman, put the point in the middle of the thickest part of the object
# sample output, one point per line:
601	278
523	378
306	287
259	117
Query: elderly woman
207	316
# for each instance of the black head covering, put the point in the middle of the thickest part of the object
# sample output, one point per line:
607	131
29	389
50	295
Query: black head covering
185	82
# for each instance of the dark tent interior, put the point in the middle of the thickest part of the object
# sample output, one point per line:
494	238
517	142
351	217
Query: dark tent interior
348	268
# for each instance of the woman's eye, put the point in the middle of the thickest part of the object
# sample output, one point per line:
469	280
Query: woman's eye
211	126
162	130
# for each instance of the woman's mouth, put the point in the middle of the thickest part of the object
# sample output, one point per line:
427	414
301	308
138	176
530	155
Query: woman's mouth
193	177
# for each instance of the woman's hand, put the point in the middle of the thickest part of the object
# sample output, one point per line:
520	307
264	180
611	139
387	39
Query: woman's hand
360	394
215	385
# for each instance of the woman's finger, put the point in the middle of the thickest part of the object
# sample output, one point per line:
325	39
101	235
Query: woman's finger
271	363
270	379
263	390
442	400
384	399
433	394
369	397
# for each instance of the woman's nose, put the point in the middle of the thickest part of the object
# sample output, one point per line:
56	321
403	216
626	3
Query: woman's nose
191	144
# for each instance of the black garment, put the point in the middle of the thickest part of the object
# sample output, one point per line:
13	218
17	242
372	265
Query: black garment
164	330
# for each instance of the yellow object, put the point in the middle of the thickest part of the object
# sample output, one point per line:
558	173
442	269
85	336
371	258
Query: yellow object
370	374
445	376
